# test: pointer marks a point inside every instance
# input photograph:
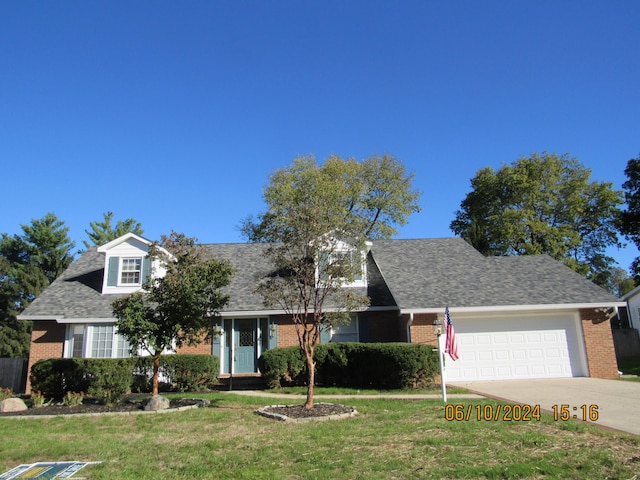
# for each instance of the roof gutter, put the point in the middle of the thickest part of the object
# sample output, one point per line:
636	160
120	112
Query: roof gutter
514	308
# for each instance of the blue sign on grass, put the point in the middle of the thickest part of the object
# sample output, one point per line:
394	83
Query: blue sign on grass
45	470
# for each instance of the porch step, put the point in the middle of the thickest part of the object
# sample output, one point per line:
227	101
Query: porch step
241	382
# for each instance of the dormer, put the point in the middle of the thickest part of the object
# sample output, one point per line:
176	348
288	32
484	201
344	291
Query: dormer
126	264
338	251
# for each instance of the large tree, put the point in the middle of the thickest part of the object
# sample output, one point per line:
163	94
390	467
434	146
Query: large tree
29	262
104	231
630	218
177	308
544	203
317	223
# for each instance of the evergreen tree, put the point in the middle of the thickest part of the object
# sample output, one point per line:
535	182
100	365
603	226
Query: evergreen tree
103	232
28	264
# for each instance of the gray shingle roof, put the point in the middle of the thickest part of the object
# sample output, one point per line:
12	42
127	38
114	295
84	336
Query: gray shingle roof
409	274
434	273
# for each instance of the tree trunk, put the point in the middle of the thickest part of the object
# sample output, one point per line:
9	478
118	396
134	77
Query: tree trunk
156	370
311	376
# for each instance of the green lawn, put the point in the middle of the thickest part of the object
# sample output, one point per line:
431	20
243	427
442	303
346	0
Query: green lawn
389	439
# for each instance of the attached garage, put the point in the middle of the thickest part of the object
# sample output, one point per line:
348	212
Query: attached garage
518	347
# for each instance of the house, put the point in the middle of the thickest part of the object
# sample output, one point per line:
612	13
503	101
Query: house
515	317
626	327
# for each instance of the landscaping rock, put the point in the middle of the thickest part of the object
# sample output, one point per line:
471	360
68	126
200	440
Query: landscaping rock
157	402
12	405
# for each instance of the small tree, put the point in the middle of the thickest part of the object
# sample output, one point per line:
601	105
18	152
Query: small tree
178	308
318	221
103	232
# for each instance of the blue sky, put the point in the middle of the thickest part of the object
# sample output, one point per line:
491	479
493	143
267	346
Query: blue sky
175	113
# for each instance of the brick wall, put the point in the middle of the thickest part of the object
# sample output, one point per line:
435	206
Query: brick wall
287	336
203	348
422	328
598	341
47	341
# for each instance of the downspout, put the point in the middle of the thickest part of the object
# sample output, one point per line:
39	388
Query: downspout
409	327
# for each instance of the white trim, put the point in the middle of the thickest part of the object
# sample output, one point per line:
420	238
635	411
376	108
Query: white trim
39	317
263	313
88	320
122	239
630	294
514	308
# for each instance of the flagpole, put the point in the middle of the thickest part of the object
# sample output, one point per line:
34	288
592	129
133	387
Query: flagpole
442	369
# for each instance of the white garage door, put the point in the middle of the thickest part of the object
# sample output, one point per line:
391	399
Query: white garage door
515	348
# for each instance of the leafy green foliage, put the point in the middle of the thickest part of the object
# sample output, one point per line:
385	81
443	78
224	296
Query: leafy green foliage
629	222
317	223
178	308
28	264
543	204
182	372
53	378
110	378
354	365
103	232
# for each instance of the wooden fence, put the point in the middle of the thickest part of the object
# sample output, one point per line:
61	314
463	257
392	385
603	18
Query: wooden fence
13	374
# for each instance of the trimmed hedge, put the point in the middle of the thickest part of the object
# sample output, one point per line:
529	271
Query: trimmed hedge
184	373
355	365
110	378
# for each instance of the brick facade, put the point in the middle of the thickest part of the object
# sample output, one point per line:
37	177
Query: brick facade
47	341
598	343
202	348
422	328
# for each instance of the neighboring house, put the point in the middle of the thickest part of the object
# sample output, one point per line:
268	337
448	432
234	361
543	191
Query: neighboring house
515	317
626	327
633	308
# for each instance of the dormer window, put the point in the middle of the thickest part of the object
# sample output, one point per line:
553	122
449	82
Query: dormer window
343	258
130	271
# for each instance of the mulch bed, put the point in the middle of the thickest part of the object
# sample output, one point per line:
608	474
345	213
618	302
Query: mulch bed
128	404
320	411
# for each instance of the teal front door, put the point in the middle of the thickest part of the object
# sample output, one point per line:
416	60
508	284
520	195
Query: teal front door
245	338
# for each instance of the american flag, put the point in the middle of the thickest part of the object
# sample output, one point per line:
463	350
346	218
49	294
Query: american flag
451	346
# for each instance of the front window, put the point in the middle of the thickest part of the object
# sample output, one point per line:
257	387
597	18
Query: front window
96	341
345	333
131	271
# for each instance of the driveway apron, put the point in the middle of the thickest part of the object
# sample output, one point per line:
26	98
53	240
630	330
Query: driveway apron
616	400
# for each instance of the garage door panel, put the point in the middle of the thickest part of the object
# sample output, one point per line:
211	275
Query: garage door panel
533	347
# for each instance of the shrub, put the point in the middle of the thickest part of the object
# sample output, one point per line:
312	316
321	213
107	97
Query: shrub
72	399
191	373
110	378
54	377
37	399
282	366
5	393
356	365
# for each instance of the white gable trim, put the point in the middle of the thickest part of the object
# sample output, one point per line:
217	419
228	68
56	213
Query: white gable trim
122	239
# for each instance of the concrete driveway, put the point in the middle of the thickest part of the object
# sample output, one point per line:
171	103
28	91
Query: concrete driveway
617	401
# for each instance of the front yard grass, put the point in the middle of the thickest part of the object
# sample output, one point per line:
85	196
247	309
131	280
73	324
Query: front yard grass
389	439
